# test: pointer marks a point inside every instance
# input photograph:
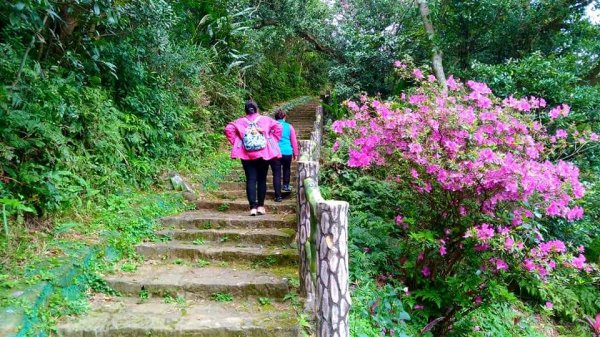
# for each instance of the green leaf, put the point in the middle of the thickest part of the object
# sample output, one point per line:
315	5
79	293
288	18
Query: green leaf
404	316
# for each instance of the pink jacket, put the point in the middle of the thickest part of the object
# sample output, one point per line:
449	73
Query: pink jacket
272	130
294	140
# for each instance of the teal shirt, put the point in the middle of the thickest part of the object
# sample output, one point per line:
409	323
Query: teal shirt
284	143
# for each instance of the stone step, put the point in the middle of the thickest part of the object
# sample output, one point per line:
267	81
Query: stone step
238	185
241	193
264	236
238	205
125	317
240	178
218	251
300	124
199	283
239	174
206	219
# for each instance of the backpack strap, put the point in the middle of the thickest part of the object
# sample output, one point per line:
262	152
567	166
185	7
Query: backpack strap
253	122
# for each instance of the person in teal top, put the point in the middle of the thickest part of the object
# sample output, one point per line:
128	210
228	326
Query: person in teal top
288	144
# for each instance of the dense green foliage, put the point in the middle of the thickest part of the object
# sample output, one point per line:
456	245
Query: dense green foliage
95	94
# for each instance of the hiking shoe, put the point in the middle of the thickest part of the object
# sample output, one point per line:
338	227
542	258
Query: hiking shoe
261	210
253	212
286	189
278	199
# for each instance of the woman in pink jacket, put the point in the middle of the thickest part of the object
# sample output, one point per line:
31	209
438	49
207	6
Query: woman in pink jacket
254	151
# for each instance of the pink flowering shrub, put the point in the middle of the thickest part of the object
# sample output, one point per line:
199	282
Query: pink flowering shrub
478	173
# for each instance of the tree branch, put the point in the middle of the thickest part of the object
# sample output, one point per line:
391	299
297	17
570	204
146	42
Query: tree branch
438	67
31	44
319	46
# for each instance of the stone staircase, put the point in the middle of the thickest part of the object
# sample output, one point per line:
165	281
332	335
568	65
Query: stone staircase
217	271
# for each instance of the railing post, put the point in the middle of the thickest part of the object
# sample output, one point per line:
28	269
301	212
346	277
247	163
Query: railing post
306	169
306	148
333	295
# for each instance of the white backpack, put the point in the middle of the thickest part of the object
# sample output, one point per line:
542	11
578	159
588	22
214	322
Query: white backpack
253	139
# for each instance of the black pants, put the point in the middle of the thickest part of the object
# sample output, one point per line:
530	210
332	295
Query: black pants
285	163
256	181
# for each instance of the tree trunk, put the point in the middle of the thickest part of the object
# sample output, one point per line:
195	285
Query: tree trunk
438	67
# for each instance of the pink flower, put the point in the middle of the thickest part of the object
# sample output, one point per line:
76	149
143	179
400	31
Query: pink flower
353	106
529	265
579	261
561	134
399	64
478	300
336	146
596	324
415	148
575	213
443	250
431	78
487	156
484	232
426	272
509	243
479	87
481	247
418	307
452	83
399	219
561	110
594	136
549	305
418	74
501	265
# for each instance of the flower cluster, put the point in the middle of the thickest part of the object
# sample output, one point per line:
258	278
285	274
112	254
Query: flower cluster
494	156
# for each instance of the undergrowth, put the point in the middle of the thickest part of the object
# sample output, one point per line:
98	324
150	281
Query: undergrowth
62	264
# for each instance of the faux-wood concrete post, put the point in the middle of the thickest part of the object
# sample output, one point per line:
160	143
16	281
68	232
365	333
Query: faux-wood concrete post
306	149
333	295
318	131
306	169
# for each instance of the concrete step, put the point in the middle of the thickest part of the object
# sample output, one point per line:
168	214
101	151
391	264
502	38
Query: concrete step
125	317
199	283
302	125
263	236
239	205
206	219
238	177
241	193
218	251
240	169
241	185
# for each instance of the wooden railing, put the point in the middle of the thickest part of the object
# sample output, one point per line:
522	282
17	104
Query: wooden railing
323	243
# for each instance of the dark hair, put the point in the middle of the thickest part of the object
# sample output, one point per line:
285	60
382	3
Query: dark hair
280	114
250	107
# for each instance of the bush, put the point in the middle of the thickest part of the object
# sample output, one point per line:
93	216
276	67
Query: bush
474	184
